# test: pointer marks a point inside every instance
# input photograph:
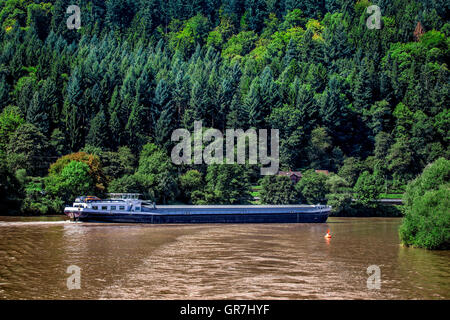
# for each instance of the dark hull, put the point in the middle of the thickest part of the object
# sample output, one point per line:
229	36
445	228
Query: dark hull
319	217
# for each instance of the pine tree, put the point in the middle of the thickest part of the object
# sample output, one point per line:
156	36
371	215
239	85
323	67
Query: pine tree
252	104
256	12
164	128
332	5
120	13
28	149
24	93
74	119
261	99
161	101
291	53
180	96
311	8
237	117
307	47
334	113
37	114
269	92
98	132
127	95
227	91
307	105
336	45
136	127
50	97
213	92
362	92
199	102
115	125
4	93
58	143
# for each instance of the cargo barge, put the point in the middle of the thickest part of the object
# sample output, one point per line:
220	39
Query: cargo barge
127	208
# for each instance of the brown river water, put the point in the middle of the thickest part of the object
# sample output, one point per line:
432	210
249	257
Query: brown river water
245	261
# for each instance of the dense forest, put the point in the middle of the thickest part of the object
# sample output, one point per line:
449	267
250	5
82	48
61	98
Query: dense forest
92	110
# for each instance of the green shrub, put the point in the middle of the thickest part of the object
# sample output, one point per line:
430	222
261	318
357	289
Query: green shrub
427	208
340	194
312	187
277	190
368	188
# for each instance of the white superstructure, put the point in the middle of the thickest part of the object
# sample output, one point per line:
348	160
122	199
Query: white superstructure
117	203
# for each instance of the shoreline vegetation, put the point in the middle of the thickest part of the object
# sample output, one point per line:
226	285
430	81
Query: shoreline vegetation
427	202
86	173
92	110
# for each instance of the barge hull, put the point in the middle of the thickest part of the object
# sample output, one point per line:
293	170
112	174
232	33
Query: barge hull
207	218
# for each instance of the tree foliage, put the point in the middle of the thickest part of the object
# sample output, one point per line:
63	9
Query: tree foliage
368	188
427	200
345	98
92	161
278	190
156	174
73	180
312	187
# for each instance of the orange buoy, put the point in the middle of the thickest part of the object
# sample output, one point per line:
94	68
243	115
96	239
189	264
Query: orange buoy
328	235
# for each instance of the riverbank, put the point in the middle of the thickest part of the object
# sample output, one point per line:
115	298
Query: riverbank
379	210
355	210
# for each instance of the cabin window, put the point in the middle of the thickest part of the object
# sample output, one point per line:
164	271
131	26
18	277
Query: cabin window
113	207
104	208
94	207
121	208
138	209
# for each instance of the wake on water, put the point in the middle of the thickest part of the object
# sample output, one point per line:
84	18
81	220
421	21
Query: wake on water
32	223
